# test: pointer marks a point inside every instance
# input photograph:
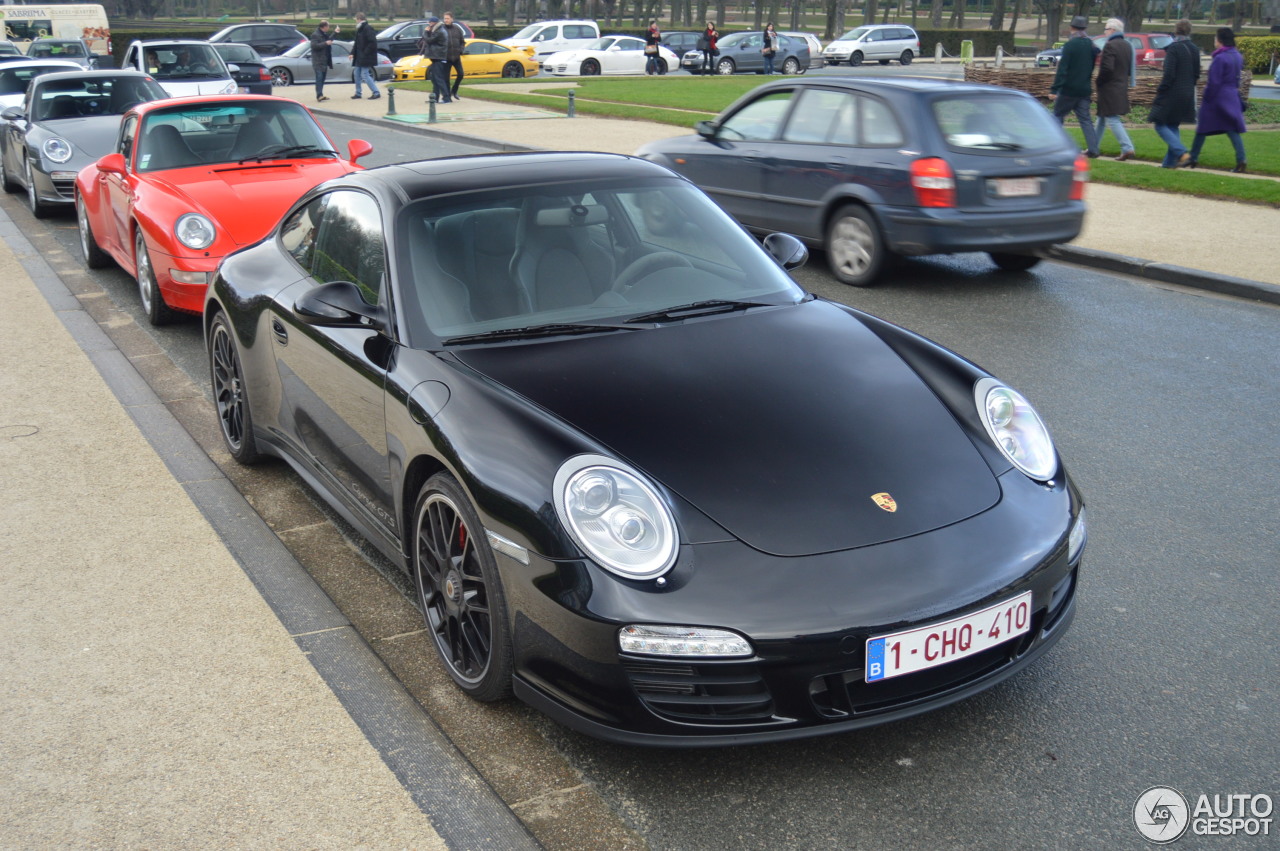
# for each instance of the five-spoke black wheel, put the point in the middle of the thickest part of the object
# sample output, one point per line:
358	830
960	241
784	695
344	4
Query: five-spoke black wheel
459	590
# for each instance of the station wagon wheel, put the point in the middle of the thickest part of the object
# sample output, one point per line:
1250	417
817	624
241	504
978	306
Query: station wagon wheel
94	257
906	57
1014	262
855	58
513	69
855	248
590	68
235	420
281	77
791	66
459	590
725	66
39	209
158	313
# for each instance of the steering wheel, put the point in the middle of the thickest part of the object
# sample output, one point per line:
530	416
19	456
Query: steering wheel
645	266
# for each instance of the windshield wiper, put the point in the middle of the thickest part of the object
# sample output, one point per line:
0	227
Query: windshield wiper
284	151
697	308
1003	146
553	330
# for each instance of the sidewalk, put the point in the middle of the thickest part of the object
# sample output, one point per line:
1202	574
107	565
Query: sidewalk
1179	239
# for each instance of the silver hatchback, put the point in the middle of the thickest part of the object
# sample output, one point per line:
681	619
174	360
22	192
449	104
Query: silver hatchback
881	42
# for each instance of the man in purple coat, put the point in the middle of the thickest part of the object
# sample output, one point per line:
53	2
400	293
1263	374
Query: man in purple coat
1221	105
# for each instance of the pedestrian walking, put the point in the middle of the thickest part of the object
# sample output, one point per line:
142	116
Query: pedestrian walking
456	45
322	55
1222	105
1115	76
652	39
709	49
435	47
1175	100
1073	84
364	58
770	47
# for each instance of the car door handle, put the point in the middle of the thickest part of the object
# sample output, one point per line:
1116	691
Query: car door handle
282	335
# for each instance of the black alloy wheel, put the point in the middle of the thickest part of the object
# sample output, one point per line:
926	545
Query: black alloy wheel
513	69
590	68
235	419
459	590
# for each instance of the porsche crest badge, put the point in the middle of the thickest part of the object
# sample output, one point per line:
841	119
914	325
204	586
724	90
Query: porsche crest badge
885	501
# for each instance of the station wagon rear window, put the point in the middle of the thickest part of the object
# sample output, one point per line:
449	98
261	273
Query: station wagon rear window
995	123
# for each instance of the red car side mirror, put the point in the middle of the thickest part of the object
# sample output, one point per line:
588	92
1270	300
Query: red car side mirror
358	148
112	164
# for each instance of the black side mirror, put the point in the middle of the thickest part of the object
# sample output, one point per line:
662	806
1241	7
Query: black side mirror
339	304
786	250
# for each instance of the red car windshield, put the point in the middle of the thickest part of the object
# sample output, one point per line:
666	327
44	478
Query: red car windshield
207	134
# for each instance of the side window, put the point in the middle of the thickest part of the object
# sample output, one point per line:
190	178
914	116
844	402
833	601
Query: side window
127	132
759	120
821	117
414	32
349	246
880	129
578	31
298	233
629	44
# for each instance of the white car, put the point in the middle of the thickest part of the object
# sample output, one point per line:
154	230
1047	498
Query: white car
548	37
15	77
611	54
815	46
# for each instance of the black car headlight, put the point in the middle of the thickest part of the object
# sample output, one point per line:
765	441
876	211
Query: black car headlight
616	516
57	150
195	231
1015	427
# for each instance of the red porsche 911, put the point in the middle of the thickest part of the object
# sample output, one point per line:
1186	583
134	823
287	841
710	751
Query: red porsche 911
194	179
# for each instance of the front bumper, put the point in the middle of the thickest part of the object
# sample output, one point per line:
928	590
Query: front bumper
182	294
915	231
57	187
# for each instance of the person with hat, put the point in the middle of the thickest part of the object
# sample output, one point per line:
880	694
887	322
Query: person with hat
1073	84
435	46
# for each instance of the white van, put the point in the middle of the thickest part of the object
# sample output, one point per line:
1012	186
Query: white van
24	24
548	37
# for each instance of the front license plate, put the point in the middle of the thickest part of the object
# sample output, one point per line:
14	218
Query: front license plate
930	646
1017	187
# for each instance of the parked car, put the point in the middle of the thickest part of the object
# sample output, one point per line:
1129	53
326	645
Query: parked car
1049	57
73	49
883	43
8	48
182	67
294	65
607	55
250	73
400	40
266	39
66	121
740	52
1148	50
548	37
482	364
815	46
481	58
680	43
16	76
156	207
867	167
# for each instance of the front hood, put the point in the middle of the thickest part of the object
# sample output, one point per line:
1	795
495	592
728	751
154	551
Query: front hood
781	424
92	137
246	201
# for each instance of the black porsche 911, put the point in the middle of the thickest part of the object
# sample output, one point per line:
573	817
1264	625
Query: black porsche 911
639	476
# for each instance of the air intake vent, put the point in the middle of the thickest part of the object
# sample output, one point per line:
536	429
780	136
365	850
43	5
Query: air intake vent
702	693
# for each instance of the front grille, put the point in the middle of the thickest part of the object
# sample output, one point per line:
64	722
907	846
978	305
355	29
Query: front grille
66	187
716	693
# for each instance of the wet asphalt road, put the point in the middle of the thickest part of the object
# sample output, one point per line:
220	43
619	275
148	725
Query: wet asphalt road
1162	402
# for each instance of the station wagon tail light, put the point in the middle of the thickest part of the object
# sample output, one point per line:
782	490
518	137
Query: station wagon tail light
934	182
1079	177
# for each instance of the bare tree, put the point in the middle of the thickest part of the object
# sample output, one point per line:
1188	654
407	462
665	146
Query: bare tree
1052	10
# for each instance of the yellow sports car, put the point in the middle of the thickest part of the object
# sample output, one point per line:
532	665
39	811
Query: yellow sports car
482	58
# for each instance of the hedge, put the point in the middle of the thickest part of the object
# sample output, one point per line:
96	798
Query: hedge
1260	51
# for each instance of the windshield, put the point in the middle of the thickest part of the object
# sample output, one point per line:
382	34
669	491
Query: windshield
588	255
528	32
92	95
14	81
237	53
183	61
996	122
854	35
1160	42
182	136
601	43
302	48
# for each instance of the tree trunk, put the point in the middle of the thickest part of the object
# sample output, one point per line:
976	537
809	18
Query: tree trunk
870	8
997	16
935	14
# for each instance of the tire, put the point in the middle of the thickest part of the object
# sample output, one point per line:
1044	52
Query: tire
235	417
513	70
158	313
459	590
590	68
662	66
281	77
39	209
906	57
94	257
6	179
855	247
725	67
855	58
791	66
1014	262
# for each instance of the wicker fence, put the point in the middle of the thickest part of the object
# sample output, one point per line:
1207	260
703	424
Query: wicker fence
1037	81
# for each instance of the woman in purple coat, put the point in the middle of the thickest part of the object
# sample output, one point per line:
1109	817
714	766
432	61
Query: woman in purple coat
1221	106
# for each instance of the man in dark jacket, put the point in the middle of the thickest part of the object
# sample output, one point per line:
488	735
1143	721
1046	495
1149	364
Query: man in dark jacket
435	46
1175	101
364	57
1073	84
1115	70
457	43
322	55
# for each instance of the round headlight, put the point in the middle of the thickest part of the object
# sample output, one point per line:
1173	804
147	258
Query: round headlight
195	231
1015	427
615	516
58	150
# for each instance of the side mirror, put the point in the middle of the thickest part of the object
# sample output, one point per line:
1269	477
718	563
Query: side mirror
234	69
358	148
13	113
706	129
112	164
786	250
339	304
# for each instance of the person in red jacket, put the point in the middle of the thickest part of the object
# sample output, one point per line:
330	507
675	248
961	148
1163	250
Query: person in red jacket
709	50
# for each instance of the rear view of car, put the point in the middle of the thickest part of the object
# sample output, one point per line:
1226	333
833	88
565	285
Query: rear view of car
881	43
247	68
